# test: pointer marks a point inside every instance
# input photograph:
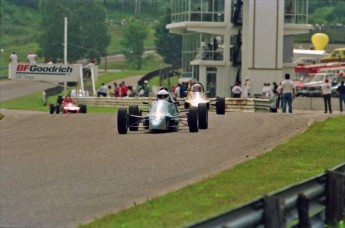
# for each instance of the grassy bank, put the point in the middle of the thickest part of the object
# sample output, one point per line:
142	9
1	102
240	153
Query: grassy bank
319	148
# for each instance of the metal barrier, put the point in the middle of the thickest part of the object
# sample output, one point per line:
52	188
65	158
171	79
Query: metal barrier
312	203
232	104
51	92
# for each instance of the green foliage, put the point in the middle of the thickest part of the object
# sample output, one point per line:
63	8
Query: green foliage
134	35
300	158
87	31
167	44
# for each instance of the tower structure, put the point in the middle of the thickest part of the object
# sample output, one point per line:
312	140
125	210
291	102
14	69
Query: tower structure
225	41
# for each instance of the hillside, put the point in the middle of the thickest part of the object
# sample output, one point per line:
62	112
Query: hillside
20	23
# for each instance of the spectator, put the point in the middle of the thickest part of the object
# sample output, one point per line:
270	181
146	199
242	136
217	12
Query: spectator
130	92
326	94
31	58
236	91
183	89
49	61
177	90
102	91
13	57
117	90
123	89
267	90
341	93
279	92
146	89
246	88
274	101
288	93
111	92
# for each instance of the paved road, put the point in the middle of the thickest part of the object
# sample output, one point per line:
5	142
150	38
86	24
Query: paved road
62	170
10	89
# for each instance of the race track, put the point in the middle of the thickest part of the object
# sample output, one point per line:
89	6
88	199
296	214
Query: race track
63	170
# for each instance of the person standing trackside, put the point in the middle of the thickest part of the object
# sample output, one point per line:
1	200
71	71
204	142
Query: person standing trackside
246	93
288	93
236	90
31	58
326	93
341	93
13	57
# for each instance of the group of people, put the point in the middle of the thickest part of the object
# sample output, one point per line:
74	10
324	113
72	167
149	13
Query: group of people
121	90
31	57
180	89
282	95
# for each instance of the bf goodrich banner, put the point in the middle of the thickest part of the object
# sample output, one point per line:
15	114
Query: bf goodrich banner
45	72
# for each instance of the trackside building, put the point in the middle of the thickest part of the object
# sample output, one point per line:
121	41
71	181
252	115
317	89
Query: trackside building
230	40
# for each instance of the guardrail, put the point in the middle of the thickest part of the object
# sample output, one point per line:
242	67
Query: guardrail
51	92
312	203
231	104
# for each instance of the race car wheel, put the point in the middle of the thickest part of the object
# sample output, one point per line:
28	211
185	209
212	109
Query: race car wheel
193	119
133	121
51	108
83	108
57	109
220	105
203	115
122	121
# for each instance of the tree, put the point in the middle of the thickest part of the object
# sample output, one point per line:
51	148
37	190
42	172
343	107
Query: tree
134	35
168	45
87	30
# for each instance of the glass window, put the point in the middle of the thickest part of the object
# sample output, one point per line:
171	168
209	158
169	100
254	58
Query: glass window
296	11
197	10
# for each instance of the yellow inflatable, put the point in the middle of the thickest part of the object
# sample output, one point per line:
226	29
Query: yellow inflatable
319	41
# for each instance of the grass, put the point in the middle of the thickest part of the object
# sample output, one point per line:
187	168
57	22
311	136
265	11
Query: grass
319	148
35	101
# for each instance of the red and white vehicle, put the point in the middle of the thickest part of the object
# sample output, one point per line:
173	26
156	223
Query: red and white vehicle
66	105
305	73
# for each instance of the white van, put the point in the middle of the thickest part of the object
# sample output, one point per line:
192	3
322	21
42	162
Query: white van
313	88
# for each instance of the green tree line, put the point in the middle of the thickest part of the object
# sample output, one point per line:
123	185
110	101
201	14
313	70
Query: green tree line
40	22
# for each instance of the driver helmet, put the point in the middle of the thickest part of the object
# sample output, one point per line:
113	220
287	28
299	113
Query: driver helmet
162	94
196	88
68	99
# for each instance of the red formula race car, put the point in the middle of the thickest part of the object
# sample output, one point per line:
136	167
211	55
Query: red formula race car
66	105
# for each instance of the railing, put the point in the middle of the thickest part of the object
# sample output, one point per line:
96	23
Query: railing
236	54
237	12
51	92
312	203
231	104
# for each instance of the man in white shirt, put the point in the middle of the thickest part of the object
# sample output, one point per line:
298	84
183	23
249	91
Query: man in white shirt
236	90
288	93
31	57
13	57
326	93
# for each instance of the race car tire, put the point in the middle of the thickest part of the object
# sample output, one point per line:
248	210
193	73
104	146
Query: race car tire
220	105
122	121
133	121
51	108
193	119
83	108
57	109
203	115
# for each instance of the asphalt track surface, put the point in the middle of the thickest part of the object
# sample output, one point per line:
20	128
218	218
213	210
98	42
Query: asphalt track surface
63	170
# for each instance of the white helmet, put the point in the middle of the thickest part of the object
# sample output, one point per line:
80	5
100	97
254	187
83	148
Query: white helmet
163	94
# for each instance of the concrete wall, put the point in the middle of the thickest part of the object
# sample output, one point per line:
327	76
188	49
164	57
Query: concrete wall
314	103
